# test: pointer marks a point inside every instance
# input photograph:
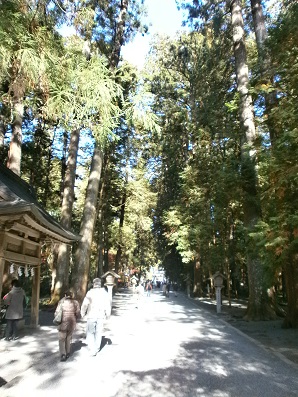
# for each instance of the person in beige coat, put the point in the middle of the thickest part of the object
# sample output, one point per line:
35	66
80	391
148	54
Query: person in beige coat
15	300
70	315
97	308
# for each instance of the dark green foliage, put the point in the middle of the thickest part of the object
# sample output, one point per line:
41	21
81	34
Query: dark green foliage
173	266
198	169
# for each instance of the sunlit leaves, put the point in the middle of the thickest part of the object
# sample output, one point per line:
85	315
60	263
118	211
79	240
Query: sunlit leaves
87	97
27	47
136	237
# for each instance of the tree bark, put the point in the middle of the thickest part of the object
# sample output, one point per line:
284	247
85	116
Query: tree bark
15	148
260	29
291	277
49	157
258	304
264	62
100	241
197	283
63	261
114	61
100	221
82	254
121	223
2	132
100	253
119	34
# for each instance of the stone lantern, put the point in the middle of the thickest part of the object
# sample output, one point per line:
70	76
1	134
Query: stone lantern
218	284
134	281
110	282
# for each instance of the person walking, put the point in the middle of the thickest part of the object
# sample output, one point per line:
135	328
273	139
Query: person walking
175	288
139	295
96	307
164	289
70	314
15	300
148	287
168	289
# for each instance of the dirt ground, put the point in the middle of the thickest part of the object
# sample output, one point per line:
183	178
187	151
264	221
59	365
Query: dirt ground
283	342
269	333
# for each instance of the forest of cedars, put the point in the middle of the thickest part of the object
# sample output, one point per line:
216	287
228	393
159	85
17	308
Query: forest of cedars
189	164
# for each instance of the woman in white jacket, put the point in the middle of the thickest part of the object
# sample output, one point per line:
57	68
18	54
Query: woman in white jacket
96	307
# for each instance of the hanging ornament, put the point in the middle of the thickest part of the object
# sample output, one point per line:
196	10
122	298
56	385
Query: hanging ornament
26	271
32	271
20	271
11	269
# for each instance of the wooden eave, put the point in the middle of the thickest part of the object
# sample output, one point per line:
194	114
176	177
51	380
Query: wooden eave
21	213
27	219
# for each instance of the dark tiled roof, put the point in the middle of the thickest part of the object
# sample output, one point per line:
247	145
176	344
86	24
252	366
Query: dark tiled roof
17	196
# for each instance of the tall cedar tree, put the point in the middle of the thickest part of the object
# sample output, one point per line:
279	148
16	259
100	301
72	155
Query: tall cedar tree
121	33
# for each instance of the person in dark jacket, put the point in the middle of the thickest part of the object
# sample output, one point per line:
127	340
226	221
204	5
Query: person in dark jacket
15	300
168	289
70	315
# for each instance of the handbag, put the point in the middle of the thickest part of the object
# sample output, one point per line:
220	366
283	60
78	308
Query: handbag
3	311
58	316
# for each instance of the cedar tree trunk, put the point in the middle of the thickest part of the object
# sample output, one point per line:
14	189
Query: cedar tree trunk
62	272
15	148
82	254
258	304
291	280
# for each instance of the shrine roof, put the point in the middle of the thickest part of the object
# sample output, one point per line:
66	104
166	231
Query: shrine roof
18	198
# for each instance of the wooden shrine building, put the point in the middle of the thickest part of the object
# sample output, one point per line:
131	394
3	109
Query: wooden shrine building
24	227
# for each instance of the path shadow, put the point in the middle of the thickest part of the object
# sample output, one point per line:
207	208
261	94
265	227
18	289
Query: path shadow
105	341
77	346
2	382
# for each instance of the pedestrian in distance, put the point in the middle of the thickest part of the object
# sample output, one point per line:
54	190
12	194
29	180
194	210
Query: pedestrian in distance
164	289
97	308
16	301
175	288
140	295
70	314
168	290
148	287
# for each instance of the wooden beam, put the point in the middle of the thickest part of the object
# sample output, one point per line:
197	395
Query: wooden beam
45	231
10	218
20	258
26	229
26	240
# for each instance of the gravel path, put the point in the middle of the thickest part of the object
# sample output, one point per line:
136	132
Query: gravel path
271	334
167	347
